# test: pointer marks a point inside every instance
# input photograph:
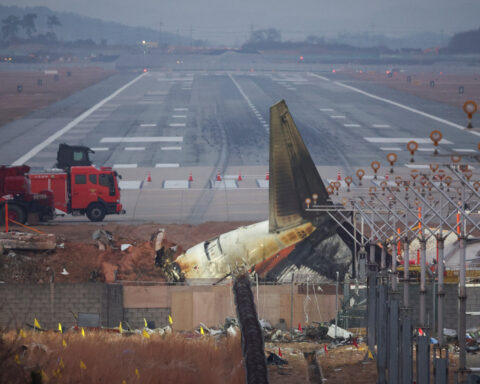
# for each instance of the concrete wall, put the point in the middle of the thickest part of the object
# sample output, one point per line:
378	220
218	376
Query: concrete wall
54	303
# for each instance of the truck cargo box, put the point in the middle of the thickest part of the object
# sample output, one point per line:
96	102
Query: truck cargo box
55	182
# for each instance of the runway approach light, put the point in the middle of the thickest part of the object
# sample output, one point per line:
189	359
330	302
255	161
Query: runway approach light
144	42
145	70
436	136
301	58
470	107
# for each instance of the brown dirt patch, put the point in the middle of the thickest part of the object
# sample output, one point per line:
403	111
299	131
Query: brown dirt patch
14	104
446	89
83	261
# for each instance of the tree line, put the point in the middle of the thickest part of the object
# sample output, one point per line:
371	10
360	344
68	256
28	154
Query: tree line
12	25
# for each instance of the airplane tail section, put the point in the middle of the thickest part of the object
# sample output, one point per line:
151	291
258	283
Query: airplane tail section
293	175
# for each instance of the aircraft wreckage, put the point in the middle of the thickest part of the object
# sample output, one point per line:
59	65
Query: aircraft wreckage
312	236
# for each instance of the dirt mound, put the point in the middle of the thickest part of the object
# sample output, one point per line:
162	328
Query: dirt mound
79	259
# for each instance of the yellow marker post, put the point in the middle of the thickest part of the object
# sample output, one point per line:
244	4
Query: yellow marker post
83	332
17	359
22	333
82	365
170	320
60	328
370	356
201	331
137	373
145	334
64	343
44	376
36	324
120	329
145	322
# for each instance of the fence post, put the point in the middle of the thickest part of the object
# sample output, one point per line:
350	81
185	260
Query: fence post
6	217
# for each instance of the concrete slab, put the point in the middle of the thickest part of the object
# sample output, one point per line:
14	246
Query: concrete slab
224	184
262	183
176	184
130	184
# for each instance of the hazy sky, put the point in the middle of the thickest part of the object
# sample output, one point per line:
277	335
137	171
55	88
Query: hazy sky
231	20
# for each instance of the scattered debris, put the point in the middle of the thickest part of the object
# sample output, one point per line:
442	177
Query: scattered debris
64	272
124	247
103	238
274	359
27	241
340	334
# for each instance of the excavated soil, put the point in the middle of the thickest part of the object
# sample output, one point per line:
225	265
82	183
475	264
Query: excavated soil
82	259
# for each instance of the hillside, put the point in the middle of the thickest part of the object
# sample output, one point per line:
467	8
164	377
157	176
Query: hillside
75	27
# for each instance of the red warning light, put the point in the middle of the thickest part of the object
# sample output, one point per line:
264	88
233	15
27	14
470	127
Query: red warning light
301	58
334	70
144	69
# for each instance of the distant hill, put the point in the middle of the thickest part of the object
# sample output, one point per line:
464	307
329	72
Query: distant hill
75	27
465	42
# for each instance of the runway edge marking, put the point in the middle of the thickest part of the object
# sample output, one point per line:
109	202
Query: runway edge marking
73	123
406	107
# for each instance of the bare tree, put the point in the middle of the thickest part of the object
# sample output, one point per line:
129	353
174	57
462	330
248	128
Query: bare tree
10	27
53	21
28	24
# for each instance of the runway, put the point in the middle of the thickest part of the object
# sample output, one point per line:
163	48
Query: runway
175	123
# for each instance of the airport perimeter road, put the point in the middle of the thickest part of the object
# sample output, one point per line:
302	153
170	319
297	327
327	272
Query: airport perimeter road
175	123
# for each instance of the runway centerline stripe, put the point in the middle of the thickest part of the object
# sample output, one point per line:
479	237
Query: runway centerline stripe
464	150
179	116
407	108
99	149
148	125
142	139
352	125
402	140
171	148
73	123
180	109
381	126
390	148
124	165
338	117
167	165
134	148
177	125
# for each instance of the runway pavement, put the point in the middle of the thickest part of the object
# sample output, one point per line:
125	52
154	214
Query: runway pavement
173	123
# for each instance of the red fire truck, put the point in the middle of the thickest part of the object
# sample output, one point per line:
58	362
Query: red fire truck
80	188
23	202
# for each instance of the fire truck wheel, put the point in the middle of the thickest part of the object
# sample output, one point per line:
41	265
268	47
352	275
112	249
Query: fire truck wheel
96	212
14	212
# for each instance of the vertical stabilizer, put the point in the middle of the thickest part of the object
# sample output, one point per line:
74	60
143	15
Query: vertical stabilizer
293	175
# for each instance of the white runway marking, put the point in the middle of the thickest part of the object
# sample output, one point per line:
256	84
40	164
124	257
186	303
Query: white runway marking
326	109
381	126
464	150
407	108
148	125
73	123
291	89
124	165
134	148
402	140
425	149
142	139
352	125
244	95
320	77
171	148
167	165
100	149
390	148
130	184
177	124
180	109
179	116
150	102
417	166
338	117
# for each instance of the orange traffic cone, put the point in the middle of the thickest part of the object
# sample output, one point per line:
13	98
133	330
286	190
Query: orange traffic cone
219	178
149	177
240	176
280	352
267	176
190	177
